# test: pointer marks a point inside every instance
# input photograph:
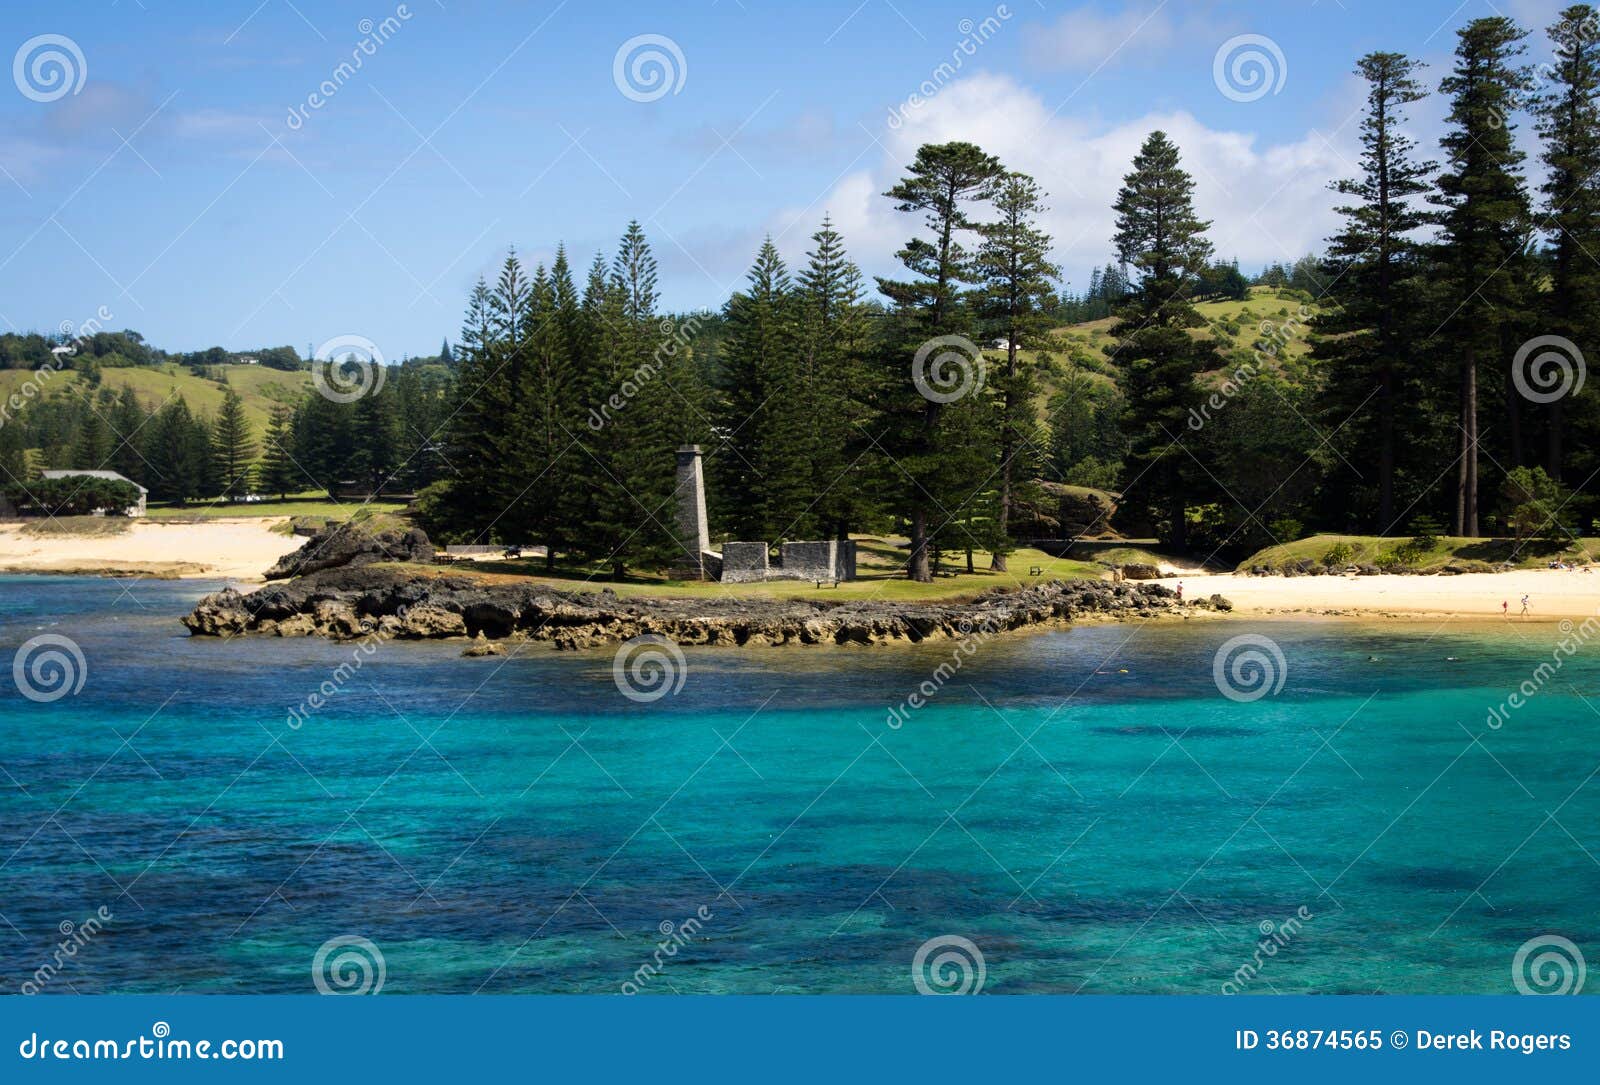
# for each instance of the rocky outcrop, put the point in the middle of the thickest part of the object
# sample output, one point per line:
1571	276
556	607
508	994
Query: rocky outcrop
351	602
352	544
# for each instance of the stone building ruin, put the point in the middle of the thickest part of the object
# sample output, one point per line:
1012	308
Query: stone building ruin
745	562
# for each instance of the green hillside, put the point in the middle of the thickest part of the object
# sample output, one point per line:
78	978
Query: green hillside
1237	325
259	387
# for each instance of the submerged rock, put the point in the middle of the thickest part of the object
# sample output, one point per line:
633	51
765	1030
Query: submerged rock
483	646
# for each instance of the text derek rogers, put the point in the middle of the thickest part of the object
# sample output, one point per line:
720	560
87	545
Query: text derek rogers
1399	1039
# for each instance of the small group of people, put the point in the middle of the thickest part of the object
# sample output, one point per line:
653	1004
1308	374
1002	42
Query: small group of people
1505	606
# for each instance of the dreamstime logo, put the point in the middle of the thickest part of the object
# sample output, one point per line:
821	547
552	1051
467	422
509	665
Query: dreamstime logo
1556	967
348	965
73	336
375	635
356	354
674	936
1274	337
74	936
373	36
1274	937
648	67
973	637
1248	67
1249	667
947	368
1547	368
49	667
56	68
648	668
956	968
1573	637
676	336
973	36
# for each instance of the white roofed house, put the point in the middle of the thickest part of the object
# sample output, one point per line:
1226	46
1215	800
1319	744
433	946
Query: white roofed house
131	510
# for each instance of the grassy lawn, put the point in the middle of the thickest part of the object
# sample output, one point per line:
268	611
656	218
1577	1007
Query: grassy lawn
1367	550
308	505
876	578
1135	552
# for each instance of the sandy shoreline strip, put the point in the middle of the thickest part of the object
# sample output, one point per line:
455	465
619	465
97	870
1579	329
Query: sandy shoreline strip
242	548
1552	594
233	549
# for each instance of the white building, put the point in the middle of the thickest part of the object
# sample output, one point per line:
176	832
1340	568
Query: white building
131	510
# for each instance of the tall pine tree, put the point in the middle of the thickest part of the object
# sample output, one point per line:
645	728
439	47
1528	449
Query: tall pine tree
759	465
278	472
1568	114
1159	233
1367	337
233	446
942	184
1482	269
834	333
1014	301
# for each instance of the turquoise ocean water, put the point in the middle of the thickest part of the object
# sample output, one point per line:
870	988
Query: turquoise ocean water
1084	807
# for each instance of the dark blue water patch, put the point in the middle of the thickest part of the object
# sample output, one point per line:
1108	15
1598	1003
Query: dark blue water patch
1431	878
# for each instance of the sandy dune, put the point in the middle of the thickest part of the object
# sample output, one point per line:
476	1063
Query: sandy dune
238	549
1552	595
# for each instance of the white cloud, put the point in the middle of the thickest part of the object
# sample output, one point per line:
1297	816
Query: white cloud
1086	39
1266	201
215	123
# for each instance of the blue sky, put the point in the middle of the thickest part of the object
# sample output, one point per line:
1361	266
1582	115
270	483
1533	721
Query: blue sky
173	189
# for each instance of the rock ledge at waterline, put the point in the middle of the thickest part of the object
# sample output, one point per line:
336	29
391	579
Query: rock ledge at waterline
385	601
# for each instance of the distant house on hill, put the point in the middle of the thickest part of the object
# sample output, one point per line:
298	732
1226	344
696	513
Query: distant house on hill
132	510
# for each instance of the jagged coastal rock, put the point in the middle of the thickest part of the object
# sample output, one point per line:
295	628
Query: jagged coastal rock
356	601
352	544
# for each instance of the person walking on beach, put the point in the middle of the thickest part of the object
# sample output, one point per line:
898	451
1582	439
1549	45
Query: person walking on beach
1505	608
1524	606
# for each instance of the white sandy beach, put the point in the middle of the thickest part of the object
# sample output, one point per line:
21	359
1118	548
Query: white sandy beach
237	549
1552	595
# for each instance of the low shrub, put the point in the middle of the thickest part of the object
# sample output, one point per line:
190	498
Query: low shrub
1339	554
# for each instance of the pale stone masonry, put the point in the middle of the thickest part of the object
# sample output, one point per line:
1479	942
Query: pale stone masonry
743	562
692	530
832	559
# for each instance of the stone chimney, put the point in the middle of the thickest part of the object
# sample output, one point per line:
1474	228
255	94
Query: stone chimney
692	530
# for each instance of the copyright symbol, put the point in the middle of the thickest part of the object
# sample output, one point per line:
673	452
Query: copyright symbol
1398	1039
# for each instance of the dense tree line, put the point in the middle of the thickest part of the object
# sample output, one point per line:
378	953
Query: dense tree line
821	411
1441	372
1399	381
378	443
89	351
937	407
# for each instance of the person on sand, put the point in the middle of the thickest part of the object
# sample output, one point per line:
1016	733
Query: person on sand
1505	608
1180	591
1524	606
